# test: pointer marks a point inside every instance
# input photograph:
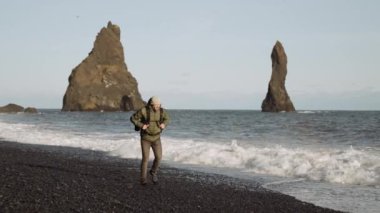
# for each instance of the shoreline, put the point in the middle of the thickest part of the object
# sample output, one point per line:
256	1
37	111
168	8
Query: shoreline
51	178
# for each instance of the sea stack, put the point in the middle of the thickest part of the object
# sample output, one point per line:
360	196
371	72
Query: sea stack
102	82
277	99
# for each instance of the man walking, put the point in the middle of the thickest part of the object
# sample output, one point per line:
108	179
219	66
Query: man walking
151	120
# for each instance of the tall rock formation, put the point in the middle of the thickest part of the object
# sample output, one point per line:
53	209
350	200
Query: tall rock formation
277	99
102	80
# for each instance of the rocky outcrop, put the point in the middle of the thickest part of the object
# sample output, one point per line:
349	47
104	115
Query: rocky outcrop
14	108
11	108
277	99
30	110
102	82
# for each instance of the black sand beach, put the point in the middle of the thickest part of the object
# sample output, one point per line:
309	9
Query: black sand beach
37	178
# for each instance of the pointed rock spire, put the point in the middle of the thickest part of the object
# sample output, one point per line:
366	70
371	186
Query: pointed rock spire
277	99
102	80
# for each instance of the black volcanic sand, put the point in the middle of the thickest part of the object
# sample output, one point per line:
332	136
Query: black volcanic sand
37	178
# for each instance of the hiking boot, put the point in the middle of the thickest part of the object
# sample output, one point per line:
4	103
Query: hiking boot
154	177
143	182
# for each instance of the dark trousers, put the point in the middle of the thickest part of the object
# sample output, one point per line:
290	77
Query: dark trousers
157	151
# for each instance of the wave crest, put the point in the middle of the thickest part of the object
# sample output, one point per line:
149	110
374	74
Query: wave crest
337	166
348	166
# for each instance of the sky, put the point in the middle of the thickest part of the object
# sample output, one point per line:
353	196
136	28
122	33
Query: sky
199	54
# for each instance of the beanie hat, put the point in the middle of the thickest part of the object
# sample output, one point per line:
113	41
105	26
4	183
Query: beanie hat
155	100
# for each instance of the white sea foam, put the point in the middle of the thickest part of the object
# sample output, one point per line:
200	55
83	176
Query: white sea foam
337	166
312	111
307	112
348	166
32	134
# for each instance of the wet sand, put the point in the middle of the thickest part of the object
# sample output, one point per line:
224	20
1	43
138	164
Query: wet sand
38	178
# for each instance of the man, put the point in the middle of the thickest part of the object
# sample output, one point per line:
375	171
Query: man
151	120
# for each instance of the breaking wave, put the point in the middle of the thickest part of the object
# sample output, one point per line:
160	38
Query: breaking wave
347	166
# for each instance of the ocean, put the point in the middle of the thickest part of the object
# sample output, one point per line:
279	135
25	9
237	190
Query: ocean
329	158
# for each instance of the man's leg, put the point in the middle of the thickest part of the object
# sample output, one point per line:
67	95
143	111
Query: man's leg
145	149
157	151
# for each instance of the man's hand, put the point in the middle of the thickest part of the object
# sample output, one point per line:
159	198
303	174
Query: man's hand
162	126
145	126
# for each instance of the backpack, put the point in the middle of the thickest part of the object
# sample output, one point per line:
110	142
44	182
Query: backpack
147	119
